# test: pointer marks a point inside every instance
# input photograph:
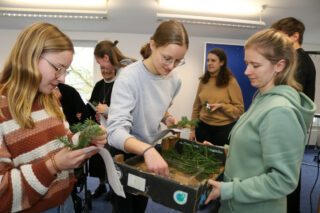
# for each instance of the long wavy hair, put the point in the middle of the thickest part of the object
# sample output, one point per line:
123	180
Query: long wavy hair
275	46
224	74
20	77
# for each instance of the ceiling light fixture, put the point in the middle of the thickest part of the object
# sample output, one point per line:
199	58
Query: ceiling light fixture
209	20
53	15
90	9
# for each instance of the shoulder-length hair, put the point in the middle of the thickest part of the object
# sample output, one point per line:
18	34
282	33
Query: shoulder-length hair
224	74
275	46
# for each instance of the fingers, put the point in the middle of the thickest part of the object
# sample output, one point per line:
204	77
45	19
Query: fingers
155	163
100	140
207	143
70	159
101	108
215	192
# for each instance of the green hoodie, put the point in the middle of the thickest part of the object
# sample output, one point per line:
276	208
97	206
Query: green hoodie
265	153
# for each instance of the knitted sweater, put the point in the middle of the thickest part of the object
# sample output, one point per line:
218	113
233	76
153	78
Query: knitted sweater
230	97
25	182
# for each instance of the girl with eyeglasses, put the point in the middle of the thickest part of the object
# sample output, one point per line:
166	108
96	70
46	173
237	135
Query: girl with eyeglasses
36	169
111	60
141	97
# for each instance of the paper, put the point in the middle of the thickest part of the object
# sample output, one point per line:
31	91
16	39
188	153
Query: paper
163	133
113	177
92	106
103	121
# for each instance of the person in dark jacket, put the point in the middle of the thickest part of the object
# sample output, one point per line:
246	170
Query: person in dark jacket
306	76
72	104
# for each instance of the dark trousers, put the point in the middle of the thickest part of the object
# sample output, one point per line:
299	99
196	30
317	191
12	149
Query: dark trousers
293	199
218	135
130	204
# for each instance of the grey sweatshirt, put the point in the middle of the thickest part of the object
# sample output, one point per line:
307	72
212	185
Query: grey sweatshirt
139	102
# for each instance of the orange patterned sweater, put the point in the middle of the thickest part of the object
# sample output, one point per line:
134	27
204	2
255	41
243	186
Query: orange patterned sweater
26	185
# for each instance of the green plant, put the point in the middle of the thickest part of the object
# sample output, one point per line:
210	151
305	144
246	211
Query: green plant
193	161
88	130
185	123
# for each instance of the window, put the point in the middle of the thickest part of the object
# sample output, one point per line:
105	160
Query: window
82	75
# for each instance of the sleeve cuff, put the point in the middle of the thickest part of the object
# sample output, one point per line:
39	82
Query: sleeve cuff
43	173
118	138
106	112
226	190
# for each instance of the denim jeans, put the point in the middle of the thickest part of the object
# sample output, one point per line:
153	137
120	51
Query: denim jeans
66	207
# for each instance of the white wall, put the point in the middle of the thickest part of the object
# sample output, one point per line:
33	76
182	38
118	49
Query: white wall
130	45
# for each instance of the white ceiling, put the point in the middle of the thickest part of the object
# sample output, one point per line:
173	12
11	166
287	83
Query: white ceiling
139	16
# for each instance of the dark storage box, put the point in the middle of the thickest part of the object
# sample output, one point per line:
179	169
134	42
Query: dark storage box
168	191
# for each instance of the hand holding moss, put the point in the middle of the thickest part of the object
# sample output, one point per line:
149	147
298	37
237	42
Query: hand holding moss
87	133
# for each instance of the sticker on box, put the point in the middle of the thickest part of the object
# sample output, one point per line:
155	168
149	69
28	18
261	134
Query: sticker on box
180	197
137	182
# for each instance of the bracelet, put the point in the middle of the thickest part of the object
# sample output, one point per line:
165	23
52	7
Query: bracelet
54	163
150	147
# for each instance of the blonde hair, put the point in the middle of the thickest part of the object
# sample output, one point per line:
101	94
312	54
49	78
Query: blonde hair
276	46
21	78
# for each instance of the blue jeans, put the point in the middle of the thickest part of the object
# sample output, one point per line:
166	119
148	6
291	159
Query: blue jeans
66	207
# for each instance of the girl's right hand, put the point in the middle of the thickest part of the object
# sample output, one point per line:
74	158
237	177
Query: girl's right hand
67	159
192	135
207	143
155	163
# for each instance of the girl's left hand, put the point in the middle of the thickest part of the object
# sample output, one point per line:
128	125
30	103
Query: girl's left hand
101	108
100	140
215	106
215	192
170	120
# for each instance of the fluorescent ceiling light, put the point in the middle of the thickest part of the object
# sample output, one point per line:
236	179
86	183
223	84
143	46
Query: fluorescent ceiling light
85	9
208	20
244	8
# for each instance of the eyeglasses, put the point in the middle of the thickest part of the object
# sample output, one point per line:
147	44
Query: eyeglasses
60	71
168	61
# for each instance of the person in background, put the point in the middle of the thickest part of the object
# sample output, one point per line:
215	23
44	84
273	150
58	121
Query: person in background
218	103
36	169
72	104
267	143
306	76
111	60
141	97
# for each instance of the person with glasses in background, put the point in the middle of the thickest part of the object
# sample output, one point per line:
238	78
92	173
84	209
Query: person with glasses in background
141	97
111	61
36	169
218	103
